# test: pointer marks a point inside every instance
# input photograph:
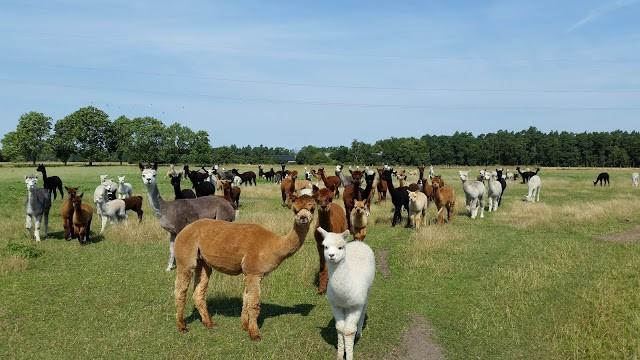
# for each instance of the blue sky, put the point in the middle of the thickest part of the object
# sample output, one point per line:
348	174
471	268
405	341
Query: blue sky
290	73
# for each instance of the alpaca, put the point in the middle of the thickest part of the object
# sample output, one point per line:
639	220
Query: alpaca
381	187
179	193
195	176
111	211
237	180
231	194
535	184
399	197
111	193
287	189
473	194
602	178
270	175
445	199
352	268
245	177
125	190
331	217
431	172
494	190
38	206
211	177
344	180
401	175
418	204
82	214
51	183
202	187
359	219
635	179
66	211
234	249
134	203
503	183
527	174
175	215
331	182
352	192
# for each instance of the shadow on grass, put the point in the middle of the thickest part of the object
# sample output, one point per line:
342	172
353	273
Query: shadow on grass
59	235
232	307
330	336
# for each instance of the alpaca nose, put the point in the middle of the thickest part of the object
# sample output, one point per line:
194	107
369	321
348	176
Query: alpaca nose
331	256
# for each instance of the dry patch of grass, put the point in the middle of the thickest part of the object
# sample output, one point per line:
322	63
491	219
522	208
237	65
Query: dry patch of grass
12	264
524	215
424	242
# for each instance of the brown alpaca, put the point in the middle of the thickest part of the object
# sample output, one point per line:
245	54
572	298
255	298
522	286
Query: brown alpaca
359	219
330	182
381	187
82	214
234	249
402	177
134	203
445	199
352	192
66	211
231	193
330	216
288	188
427	189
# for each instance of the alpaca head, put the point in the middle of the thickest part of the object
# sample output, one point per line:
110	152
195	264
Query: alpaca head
40	167
320	171
413	195
334	245
72	191
464	175
356	175
31	181
148	175
323	198
103	178
76	201
386	174
360	208
303	207
338	168
175	179
121	179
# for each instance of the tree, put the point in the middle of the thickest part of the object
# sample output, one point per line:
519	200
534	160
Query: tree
147	139
30	137
91	132
121	138
62	141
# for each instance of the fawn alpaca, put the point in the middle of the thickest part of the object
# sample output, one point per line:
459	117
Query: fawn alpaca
234	249
331	217
82	214
359	219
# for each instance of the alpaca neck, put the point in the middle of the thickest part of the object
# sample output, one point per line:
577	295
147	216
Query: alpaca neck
154	198
177	191
293	241
324	219
44	174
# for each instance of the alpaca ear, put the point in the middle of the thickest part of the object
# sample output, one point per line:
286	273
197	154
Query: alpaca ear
345	235
80	196
154	166
141	166
323	232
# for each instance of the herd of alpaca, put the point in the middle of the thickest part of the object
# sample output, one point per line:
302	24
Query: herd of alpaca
204	237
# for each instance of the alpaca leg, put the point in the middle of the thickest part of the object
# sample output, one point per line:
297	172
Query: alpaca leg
46	224
202	275
252	283
244	315
350	327
37	227
28	222
481	202
424	217
183	278
172	256
105	219
361	321
323	275
339	316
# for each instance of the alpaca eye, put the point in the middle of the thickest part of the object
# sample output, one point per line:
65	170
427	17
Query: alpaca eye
326	247
341	247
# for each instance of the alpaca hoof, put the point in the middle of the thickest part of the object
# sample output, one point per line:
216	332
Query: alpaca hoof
183	329
255	337
321	291
170	267
209	324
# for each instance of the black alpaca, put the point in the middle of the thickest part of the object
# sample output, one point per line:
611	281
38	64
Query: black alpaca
270	175
181	194
602	177
51	183
247	177
503	182
399	197
527	174
195	176
202	188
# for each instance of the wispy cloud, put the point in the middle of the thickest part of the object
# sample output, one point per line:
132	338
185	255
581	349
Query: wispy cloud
602	10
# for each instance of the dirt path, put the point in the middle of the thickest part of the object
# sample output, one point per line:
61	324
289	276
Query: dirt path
417	343
629	236
383	263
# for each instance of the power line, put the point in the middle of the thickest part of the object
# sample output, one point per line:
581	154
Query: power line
325	103
341	86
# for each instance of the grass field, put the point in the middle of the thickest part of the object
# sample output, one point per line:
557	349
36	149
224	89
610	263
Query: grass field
531	281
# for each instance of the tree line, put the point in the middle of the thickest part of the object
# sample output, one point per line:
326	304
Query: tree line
89	135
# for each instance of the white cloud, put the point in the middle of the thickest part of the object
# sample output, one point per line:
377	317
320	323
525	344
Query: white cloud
602	10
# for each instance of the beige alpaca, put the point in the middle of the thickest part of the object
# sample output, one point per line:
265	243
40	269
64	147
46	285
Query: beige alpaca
359	219
418	204
234	249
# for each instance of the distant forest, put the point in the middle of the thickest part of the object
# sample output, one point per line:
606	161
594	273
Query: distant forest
89	135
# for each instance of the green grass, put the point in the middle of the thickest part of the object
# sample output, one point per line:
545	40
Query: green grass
530	281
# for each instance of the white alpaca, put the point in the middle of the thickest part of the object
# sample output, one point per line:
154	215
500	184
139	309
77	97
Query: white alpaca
418	204
635	178
237	181
534	189
494	190
509	175
352	267
125	190
431	172
38	206
473	194
104	179
110	211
